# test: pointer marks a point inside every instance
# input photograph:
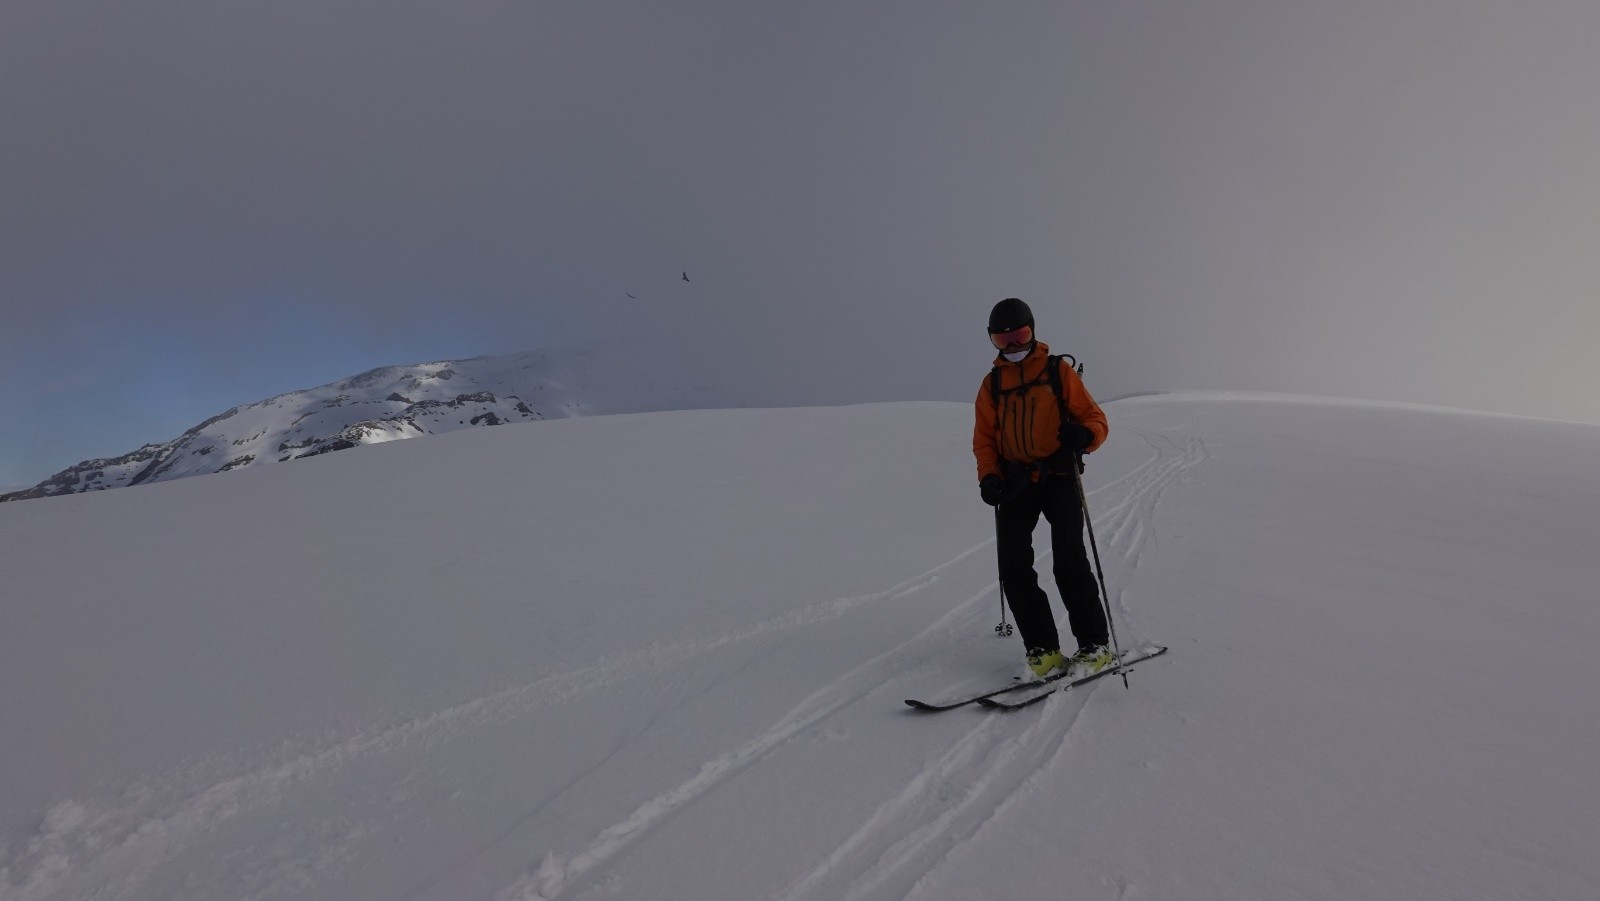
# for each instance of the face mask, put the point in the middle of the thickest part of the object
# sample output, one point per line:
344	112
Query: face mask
1016	357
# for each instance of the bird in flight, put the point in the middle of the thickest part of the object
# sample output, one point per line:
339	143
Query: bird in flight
630	296
686	276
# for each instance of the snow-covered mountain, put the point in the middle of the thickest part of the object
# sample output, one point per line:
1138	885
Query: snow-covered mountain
388	404
664	657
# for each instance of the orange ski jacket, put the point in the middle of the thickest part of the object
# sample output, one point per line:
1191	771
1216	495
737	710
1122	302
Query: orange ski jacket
1025	427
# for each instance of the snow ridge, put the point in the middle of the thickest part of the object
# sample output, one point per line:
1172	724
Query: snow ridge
384	404
389	403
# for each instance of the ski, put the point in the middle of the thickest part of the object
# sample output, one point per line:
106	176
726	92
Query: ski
990	702
933	707
986	697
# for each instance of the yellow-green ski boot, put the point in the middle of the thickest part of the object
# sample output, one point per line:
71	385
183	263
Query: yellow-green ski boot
1042	662
1090	660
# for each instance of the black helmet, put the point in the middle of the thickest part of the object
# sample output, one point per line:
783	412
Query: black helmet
1009	314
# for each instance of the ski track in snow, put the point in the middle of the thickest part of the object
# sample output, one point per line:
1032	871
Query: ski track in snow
1127	525
112	849
949	801
942	806
119	845
895	849
559	875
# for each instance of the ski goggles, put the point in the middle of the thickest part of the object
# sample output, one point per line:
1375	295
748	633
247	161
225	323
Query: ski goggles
1017	337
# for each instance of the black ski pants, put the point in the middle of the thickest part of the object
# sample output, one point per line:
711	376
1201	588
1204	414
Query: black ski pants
1056	496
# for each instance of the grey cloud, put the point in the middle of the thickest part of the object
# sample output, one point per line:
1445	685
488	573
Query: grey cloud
1368	198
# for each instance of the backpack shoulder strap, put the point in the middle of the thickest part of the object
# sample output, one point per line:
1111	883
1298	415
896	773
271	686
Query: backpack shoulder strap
1053	368
1054	365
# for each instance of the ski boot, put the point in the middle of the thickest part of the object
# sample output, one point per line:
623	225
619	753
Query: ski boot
1042	662
1090	659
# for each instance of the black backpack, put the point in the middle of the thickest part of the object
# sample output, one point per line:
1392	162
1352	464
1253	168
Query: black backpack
1052	369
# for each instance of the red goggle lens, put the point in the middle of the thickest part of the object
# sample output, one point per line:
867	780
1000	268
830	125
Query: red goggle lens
1014	338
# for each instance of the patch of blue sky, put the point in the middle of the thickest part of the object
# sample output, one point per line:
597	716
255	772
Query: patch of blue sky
138	376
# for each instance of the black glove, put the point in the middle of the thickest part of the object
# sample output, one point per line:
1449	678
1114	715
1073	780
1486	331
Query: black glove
993	488
1075	437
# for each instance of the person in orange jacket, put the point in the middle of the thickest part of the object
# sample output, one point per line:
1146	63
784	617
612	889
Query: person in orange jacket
1031	426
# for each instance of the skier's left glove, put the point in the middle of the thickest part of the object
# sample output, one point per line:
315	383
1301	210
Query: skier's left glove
1075	437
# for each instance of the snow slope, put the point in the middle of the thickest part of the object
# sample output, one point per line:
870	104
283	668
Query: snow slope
663	656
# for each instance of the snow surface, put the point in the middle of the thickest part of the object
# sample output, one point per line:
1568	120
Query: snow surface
663	656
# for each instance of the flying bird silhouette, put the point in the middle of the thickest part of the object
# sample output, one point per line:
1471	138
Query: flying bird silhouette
630	295
686	276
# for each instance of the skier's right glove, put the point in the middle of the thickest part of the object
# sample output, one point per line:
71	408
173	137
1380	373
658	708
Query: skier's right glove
993	488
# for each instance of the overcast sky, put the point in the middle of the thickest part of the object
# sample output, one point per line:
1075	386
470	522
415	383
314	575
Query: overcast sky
207	202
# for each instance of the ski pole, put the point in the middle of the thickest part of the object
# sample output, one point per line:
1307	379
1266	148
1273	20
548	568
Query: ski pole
1004	629
1099	573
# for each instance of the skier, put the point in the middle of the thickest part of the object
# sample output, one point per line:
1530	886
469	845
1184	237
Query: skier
1031	426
